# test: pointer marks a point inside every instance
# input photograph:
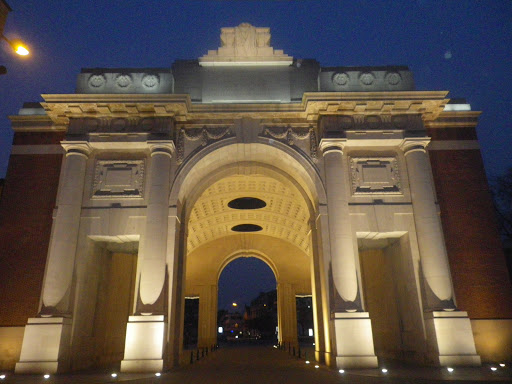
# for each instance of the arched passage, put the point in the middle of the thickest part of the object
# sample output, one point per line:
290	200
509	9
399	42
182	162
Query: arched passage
247	301
290	189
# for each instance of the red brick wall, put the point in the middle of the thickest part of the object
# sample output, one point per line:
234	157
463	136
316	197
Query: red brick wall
479	272
26	208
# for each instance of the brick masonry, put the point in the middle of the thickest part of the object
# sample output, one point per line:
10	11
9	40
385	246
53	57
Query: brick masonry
26	207
481	281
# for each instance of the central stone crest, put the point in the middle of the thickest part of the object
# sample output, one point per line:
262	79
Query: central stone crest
245	45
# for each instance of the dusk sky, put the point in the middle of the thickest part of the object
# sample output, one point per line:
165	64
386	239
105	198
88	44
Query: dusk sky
464	47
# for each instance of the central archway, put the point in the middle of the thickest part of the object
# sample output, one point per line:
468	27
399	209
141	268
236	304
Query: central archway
289	192
247	302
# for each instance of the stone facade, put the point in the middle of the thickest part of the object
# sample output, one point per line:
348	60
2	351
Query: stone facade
370	186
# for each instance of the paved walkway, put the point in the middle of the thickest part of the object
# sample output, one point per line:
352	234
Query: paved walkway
266	365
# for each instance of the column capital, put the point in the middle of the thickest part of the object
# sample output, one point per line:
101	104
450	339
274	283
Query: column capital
410	145
81	148
332	145
161	147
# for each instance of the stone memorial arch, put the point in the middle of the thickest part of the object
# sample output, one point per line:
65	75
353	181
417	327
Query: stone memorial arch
347	169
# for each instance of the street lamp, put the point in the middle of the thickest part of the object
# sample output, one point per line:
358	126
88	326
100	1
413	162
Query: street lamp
18	46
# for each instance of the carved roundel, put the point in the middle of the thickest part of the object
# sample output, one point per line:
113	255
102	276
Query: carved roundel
367	78
97	81
340	78
393	78
150	81
123	80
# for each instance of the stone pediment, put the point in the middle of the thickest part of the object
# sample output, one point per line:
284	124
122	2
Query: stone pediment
245	45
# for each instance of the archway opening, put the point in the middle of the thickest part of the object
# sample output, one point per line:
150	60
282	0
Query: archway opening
247	302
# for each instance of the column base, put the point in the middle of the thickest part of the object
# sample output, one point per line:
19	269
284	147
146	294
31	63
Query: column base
46	346
354	340
450	339
144	346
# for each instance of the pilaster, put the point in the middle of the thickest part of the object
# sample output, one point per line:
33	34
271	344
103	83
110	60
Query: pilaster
352	326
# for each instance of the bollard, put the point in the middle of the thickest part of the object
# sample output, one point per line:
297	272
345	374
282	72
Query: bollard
191	357
294	350
289	348
202	352
306	355
299	352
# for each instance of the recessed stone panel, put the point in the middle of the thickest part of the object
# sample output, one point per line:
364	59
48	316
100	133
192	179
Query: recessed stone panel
118	178
375	175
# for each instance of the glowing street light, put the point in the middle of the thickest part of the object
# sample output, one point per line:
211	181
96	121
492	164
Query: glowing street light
235	304
18	46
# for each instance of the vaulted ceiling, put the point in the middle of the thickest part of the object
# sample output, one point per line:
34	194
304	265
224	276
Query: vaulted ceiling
285	215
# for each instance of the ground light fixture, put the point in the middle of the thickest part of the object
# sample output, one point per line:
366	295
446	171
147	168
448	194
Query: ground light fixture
113	374
307	361
502	365
341	371
18	46
2	377
384	370
494	369
158	374
317	366
450	369
46	376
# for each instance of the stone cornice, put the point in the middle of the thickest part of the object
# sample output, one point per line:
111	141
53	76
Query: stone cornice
34	123
62	107
453	119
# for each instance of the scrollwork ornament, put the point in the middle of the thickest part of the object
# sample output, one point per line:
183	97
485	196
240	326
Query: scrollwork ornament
217	133
289	136
313	144
204	137
180	150
278	133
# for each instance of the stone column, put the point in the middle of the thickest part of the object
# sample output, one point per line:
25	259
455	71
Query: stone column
343	257
176	277
352	326
450	338
46	340
287	314
149	323
434	260
153	252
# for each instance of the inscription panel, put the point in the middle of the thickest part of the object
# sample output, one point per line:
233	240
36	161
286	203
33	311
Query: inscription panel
118	178
375	175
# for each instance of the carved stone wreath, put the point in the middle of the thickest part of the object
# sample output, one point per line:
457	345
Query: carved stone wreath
367	78
150	81
206	135
97	81
289	134
123	80
340	78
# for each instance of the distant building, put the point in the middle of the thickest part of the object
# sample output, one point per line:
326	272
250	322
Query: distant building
356	189
261	315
